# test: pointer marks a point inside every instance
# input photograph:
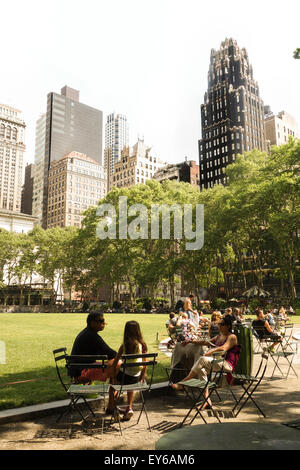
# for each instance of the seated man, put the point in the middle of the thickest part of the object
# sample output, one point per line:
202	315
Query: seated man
171	323
270	318
171	327
263	329
89	343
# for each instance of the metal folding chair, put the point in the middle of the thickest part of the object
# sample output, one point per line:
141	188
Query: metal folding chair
75	391
263	340
148	360
250	384
196	389
286	333
288	357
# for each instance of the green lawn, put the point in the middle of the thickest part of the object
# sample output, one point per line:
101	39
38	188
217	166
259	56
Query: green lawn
31	338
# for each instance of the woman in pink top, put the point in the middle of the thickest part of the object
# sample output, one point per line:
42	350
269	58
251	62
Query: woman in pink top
225	342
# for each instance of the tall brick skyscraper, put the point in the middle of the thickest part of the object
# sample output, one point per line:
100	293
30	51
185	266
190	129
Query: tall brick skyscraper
232	115
69	126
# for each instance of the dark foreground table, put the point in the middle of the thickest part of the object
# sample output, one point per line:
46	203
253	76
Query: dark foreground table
231	436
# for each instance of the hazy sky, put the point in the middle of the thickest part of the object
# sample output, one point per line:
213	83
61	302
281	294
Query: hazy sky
147	59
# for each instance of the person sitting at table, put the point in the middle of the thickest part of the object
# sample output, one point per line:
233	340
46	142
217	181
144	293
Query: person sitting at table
89	343
263	329
171	323
282	314
270	318
133	343
203	321
225	343
291	310
237	315
214	328
171	326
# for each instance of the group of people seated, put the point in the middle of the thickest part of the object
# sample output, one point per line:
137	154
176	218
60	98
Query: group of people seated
220	339
188	323
89	342
225	344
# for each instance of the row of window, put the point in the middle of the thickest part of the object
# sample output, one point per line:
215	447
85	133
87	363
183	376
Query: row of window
8	132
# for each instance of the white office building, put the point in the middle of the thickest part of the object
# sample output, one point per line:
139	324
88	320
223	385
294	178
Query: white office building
116	138
12	157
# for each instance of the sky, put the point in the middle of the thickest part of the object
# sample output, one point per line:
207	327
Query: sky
147	59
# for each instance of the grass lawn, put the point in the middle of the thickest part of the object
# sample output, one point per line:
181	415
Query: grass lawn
30	339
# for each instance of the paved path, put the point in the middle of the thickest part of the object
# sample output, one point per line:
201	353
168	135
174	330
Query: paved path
280	400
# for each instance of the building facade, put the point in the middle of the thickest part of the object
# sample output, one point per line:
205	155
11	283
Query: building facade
12	161
116	138
280	127
16	221
232	116
27	190
75	183
70	126
187	171
137	165
39	168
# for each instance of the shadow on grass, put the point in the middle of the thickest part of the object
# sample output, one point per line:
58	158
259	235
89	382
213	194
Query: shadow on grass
30	387
41	386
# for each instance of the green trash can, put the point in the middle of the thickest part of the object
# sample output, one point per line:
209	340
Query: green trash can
245	340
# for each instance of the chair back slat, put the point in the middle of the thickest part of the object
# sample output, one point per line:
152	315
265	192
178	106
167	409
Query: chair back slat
60	358
93	357
57	351
138	356
138	364
86	365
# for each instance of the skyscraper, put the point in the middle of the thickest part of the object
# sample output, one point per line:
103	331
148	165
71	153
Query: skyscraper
116	138
75	183
70	126
27	190
12	149
232	115
38	169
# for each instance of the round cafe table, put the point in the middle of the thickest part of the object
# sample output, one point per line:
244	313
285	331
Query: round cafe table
231	436
189	351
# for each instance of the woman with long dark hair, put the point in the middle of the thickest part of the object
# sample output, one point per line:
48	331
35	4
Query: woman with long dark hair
133	343
224	343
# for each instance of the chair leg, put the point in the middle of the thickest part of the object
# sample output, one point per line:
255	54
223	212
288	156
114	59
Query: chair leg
251	398
88	406
276	366
145	411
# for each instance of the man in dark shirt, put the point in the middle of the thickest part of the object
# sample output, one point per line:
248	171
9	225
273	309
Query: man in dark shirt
89	343
263	329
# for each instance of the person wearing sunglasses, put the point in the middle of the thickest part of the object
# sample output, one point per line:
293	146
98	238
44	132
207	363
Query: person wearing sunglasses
89	343
226	344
